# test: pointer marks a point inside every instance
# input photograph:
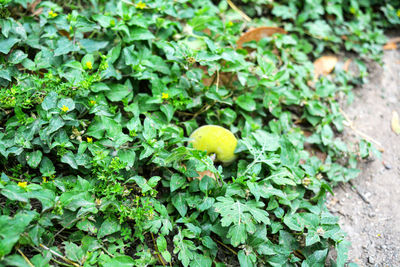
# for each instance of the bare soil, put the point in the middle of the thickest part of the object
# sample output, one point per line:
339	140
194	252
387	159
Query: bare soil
369	206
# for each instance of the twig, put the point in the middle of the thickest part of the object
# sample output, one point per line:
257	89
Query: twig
157	251
234	7
365	136
60	256
127	2
25	258
217	81
108	253
65	227
359	193
225	246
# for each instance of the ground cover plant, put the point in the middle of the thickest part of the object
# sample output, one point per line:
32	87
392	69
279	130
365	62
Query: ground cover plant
97	103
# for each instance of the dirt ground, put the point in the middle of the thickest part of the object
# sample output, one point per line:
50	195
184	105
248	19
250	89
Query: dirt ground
369	207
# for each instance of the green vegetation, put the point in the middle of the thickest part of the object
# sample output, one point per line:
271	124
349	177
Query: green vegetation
98	99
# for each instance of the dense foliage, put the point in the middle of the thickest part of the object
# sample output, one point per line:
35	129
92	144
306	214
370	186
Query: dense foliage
97	101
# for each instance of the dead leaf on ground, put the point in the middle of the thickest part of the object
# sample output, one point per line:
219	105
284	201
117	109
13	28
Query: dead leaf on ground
32	8
201	174
346	65
257	34
208	173
392	44
64	33
324	65
395	122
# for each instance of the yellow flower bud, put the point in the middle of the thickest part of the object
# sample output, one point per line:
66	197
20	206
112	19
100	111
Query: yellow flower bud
23	184
89	65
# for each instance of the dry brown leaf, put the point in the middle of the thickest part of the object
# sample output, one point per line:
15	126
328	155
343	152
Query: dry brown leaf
64	33
257	34
324	65
33	5
392	44
346	65
395	122
32	8
202	174
38	11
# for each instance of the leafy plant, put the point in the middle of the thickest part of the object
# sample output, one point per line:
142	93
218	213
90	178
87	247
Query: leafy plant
98	99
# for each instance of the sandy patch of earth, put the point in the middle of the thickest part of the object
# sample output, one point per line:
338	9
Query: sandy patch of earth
369	207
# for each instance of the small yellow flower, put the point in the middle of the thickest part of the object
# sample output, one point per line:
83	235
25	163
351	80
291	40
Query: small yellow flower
353	10
44	179
89	139
92	102
398	13
23	184
164	95
190	60
64	108
140	5
89	65
52	14
229	24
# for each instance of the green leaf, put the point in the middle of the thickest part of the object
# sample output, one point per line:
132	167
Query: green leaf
178	200
69	158
14	260
68	102
15	192
207	183
137	33
141	182
11	228
312	238
268	141
127	156
108	227
319	28
6	44
55	123
50	101
294	222
237	234
123	261
117	92
177	181
99	87
317	258
246	102
201	261
342	250
17	57
45	196
73	252
92	46
282	177
47	167
244	260
184	248
34	158
64	46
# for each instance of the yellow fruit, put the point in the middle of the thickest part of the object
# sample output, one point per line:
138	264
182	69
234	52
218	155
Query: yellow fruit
215	139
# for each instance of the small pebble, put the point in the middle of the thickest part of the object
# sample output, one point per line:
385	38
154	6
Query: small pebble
371	260
371	214
386	165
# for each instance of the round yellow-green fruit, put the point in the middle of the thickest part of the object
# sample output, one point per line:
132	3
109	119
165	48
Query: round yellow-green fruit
215	139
